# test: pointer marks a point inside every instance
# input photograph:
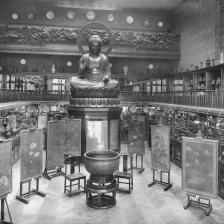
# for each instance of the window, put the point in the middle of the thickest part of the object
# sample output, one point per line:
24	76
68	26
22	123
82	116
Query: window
59	85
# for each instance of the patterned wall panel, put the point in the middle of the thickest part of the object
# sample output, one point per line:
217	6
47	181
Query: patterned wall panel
41	35
196	20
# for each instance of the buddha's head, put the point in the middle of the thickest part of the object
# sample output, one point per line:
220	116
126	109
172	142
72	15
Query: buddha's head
95	43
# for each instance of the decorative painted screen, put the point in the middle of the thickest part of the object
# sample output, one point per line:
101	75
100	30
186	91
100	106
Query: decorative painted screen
5	167
55	143
199	166
160	143
42	121
136	135
31	146
73	137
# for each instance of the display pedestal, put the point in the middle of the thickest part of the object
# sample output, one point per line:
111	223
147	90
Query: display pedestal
97	194
197	201
22	196
167	185
100	127
3	203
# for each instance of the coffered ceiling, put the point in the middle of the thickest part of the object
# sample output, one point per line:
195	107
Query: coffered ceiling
108	4
120	4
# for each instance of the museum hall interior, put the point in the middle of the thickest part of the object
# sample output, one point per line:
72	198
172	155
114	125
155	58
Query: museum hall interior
112	111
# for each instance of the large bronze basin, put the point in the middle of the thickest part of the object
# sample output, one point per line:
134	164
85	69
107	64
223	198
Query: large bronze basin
101	163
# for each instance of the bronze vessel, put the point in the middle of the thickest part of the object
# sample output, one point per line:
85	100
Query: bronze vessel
101	163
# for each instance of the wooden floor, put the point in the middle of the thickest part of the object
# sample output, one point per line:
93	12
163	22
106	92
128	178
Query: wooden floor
143	205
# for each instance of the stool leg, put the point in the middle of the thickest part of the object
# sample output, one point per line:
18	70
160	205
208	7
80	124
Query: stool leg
84	179
86	196
70	189
79	184
142	161
65	185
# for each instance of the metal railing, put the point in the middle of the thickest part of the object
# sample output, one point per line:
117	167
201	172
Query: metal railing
7	95
212	99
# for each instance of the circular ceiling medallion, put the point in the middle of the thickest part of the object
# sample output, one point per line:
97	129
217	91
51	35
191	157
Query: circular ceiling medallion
146	23
160	24
150	66
69	63
90	15
70	14
110	17
31	16
130	19
50	15
15	16
23	61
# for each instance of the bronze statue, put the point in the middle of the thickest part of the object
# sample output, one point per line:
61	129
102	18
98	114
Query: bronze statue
94	70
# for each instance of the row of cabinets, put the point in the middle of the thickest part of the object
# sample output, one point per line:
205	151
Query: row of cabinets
29	81
39	81
210	78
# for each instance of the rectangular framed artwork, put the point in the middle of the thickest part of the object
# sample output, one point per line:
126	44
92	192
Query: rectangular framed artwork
5	167
31	146
200	166
136	135
160	142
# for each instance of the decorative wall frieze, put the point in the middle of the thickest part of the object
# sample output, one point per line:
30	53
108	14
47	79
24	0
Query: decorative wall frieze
42	35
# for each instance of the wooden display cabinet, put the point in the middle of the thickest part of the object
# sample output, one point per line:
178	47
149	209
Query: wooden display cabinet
200	81
213	79
188	82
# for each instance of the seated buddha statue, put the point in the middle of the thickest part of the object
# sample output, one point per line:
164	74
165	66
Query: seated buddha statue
94	73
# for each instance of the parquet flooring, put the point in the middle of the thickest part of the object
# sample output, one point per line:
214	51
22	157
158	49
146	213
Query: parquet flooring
143	206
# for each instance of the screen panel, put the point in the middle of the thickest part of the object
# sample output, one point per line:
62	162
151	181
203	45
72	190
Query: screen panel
136	135
31	146
199	166
73	137
160	144
42	121
55	143
5	167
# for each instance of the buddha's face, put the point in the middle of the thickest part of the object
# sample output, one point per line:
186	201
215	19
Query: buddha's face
95	44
